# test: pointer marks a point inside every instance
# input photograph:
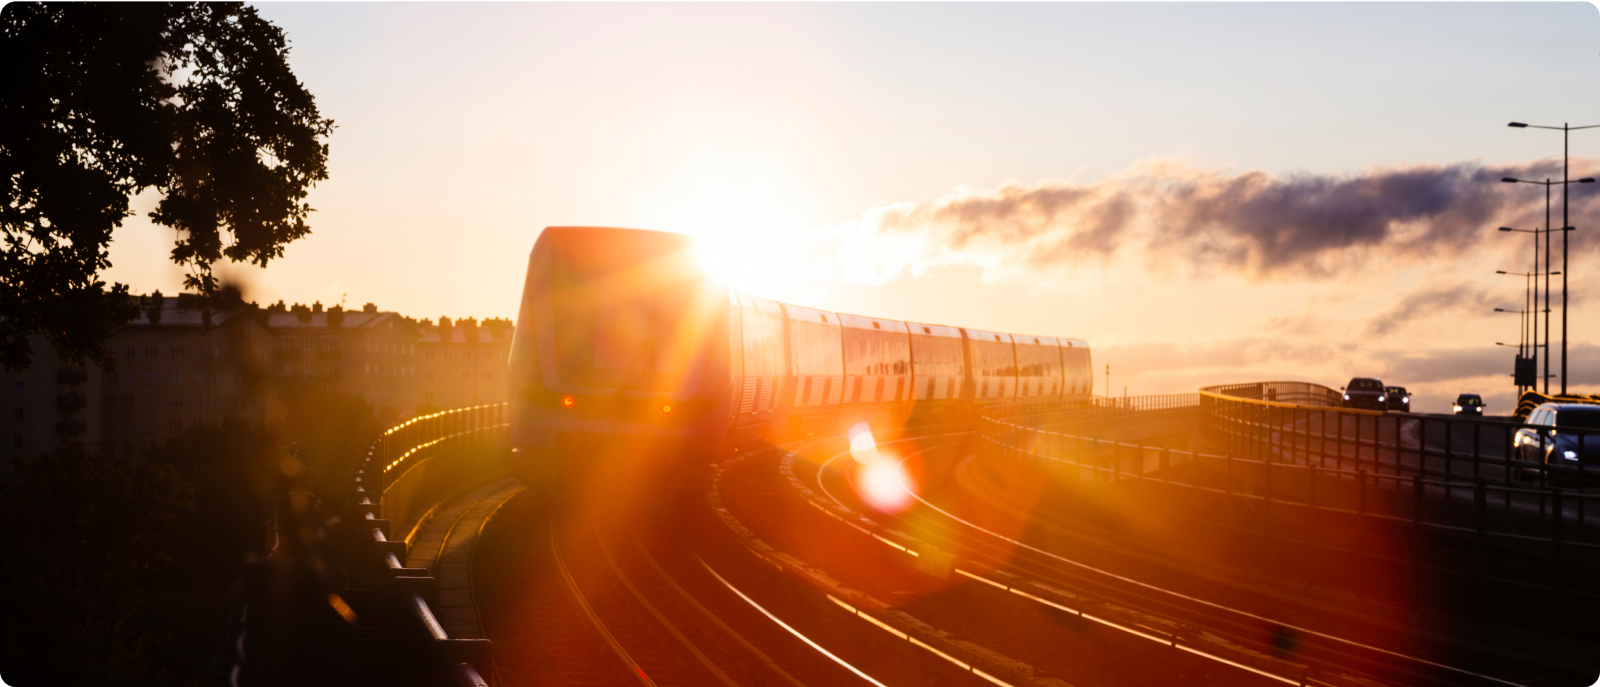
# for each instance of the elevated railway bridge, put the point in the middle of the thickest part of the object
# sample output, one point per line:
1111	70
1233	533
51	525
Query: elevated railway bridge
1246	534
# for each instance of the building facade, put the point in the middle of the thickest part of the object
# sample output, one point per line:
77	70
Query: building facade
178	366
183	364
464	363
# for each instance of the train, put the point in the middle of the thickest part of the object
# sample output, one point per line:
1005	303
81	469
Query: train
629	357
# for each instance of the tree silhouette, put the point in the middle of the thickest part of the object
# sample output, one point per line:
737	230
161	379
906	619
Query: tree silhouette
101	101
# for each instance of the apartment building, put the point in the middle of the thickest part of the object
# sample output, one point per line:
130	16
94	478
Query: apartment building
367	353
463	362
186	362
47	404
179	365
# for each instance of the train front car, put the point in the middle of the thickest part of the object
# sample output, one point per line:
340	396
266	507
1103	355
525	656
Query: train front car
619	364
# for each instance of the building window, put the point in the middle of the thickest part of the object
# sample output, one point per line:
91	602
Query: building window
485	355
16	388
16	440
128	424
111	400
199	401
149	425
127	400
177	353
176	378
149	400
286	344
447	355
152	352
428	355
17	414
133	352
199	378
466	376
175	425
149	378
175	402
127	447
485	375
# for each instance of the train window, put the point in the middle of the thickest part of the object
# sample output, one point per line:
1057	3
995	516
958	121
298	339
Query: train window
876	352
763	340
936	356
991	359
628	312
1039	360
815	348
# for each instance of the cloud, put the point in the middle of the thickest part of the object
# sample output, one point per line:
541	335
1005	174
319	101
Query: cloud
1176	217
1432	301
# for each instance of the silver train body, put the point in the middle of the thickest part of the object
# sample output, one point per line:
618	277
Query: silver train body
625	351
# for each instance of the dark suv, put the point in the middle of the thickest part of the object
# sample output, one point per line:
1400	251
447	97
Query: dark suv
1398	398
1365	392
1469	404
1563	436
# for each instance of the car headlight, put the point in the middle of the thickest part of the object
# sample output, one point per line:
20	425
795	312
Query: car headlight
1380	399
1347	397
1406	399
1569	455
1458	409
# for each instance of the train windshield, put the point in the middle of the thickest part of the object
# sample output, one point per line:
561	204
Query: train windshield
631	311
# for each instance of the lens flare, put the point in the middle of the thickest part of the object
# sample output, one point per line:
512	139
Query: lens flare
863	446
884	486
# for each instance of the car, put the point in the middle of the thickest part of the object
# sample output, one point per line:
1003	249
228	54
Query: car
1365	393
1469	404
1560	434
1398	398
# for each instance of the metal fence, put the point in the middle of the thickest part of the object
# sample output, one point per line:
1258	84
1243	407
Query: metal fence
1499	525
1395	447
334	602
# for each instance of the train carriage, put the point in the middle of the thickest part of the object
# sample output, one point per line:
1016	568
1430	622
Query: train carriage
628	359
1039	369
817	383
877	362
993	367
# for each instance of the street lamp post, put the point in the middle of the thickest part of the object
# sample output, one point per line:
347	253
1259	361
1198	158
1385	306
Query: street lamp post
1547	274
1528	301
1565	130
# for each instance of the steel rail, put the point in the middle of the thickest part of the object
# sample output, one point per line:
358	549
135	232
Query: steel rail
594	618
654	612
994	552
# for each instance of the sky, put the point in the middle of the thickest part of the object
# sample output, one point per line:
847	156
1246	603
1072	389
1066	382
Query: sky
1208	193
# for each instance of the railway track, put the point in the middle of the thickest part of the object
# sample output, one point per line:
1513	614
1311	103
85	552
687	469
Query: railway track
587	601
1248	643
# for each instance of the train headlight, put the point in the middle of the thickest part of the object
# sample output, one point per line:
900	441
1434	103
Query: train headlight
1570	455
568	401
666	408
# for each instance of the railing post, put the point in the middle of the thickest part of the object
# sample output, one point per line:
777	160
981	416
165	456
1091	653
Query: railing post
1416	511
1361	498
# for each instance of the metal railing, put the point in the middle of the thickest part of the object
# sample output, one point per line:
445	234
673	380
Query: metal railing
333	601
1304	393
1394	447
1493	523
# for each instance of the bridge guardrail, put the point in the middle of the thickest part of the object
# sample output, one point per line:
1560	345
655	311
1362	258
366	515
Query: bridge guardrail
333	602
1319	498
1392	446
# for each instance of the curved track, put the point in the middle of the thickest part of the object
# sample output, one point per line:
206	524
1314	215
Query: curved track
1154	614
